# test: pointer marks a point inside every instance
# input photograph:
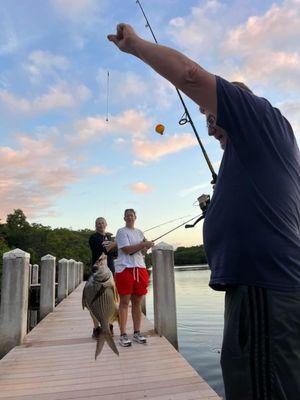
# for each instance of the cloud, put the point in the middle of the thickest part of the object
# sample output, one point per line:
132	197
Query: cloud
134	90
262	50
291	110
147	150
9	42
130	122
30	179
187	191
190	32
58	97
138	163
42	63
268	46
140	188
75	10
99	170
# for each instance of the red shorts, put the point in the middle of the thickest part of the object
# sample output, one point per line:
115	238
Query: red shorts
132	281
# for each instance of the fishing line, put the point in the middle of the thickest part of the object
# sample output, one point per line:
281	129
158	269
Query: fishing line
186	116
159	237
107	96
165	223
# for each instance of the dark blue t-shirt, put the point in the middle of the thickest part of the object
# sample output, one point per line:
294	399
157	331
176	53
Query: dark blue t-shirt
251	229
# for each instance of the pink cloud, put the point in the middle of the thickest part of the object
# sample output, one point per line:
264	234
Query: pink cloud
140	188
99	170
130	123
58	97
33	175
147	150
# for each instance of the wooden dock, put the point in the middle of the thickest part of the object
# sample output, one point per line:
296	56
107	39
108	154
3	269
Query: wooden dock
56	362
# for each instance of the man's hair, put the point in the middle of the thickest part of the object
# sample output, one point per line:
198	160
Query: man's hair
242	85
129	209
100	218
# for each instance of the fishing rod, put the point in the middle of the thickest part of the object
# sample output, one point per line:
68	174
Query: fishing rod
184	223
186	115
165	223
176	227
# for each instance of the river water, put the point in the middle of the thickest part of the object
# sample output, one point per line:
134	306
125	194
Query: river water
200	324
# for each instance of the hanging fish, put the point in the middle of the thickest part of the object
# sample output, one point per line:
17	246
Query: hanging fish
160	129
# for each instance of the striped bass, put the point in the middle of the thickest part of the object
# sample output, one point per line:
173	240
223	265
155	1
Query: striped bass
101	299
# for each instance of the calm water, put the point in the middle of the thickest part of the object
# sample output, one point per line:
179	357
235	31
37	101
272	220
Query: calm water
200	324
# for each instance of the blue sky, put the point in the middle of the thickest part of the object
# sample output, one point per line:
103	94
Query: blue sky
64	164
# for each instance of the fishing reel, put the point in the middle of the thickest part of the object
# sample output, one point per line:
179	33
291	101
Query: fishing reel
203	202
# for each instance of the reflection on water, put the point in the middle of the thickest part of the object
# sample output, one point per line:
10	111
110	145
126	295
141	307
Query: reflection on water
200	324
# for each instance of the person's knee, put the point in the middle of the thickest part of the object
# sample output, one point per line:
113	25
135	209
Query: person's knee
124	302
136	300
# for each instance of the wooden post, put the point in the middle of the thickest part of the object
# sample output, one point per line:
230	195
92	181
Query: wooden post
80	271
62	290
47	291
71	273
30	275
164	298
35	274
14	299
77	274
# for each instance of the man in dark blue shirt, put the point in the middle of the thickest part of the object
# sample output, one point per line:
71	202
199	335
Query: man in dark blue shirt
251	230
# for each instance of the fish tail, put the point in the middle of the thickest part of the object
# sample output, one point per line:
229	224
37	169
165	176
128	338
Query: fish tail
101	339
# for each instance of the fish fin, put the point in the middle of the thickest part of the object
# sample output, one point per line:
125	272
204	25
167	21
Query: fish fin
116	294
102	338
100	344
98	294
111	343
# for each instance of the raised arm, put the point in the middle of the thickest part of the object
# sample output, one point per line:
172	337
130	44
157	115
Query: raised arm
181	71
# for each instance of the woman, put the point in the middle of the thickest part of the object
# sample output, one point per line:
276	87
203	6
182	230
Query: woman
131	275
100	242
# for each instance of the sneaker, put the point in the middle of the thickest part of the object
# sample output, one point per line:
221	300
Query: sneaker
124	341
138	337
96	333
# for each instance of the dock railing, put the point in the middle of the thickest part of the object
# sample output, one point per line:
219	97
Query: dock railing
20	287
30	292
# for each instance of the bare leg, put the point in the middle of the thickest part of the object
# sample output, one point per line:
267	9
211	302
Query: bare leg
136	311
123	312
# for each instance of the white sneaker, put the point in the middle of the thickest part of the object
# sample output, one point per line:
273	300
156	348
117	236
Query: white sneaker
138	337
124	341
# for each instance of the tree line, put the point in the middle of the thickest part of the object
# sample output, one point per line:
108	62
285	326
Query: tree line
39	240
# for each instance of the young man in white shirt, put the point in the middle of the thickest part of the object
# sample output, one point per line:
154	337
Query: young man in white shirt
131	275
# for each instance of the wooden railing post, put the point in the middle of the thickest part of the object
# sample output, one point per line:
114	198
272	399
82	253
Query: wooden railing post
164	298
77	268
47	291
35	274
30	275
71	273
14	299
63	272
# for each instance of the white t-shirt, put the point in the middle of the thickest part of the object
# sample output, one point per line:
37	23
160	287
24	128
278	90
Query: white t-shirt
129	237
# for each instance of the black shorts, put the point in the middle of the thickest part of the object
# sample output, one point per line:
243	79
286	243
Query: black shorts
261	344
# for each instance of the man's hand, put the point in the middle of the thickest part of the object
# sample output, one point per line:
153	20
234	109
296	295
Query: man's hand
125	38
148	244
108	245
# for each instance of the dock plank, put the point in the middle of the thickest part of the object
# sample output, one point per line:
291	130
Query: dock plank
56	362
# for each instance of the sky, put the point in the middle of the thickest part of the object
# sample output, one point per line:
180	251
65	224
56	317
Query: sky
64	164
